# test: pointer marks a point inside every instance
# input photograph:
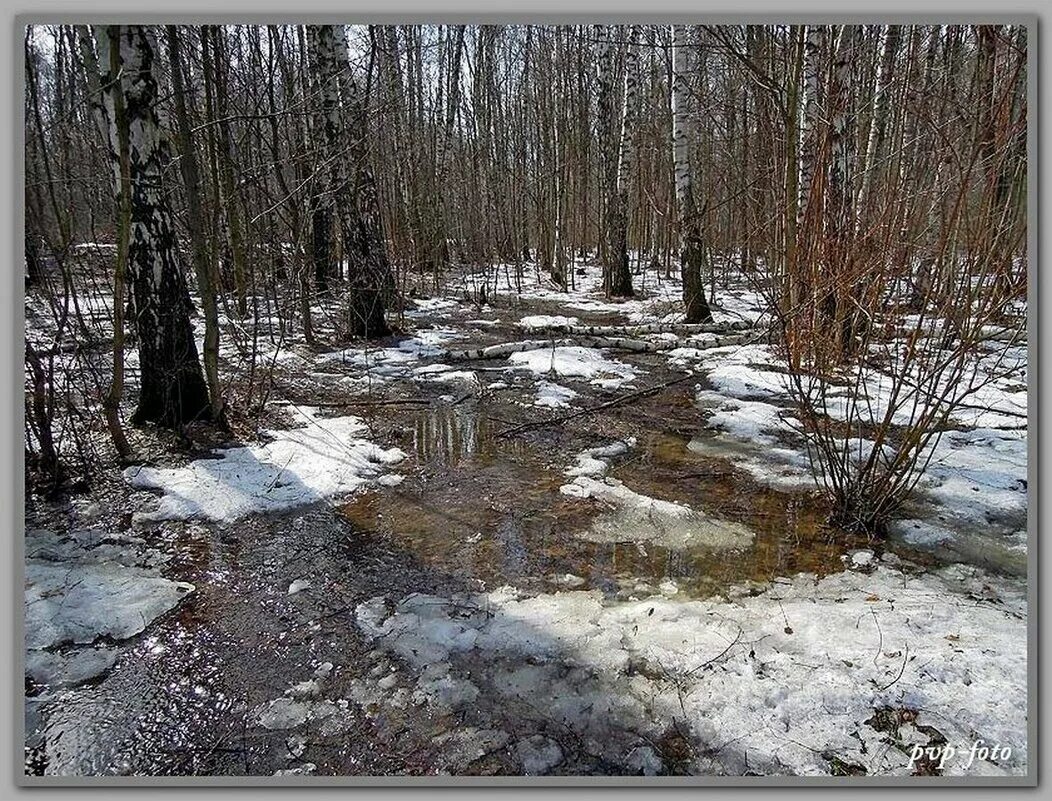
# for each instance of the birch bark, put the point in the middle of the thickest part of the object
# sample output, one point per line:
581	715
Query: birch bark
172	386
691	252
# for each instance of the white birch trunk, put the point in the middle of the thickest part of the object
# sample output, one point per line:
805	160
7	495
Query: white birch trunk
680	121
172	386
350	182
697	307
879	124
628	131
814	45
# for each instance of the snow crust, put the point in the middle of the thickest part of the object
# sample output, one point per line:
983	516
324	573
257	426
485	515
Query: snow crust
574	361
85	588
323	458
630	516
553	395
760	683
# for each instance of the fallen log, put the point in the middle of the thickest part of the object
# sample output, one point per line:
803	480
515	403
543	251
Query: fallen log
645	328
342	404
503	349
507	348
620	400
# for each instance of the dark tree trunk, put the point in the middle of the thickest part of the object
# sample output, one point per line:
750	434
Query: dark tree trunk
691	260
351	186
32	275
172	387
203	269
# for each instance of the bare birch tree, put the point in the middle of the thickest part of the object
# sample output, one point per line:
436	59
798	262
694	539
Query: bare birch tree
690	234
172	386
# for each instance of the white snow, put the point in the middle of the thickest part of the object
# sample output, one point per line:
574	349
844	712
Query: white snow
78	603
594	462
980	476
536	321
735	372
752	421
444	374
573	361
861	558
553	395
780	682
298	466
630	516
299	585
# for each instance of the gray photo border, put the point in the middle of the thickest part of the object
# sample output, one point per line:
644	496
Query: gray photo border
545	11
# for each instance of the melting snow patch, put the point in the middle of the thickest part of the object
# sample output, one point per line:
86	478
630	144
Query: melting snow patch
398	361
553	395
463	745
921	532
327	719
779	467
283	713
79	603
573	361
382	362
751	421
84	587
537	754
632	517
536	321
859	560
74	667
736	373
444	374
432	307
296	467
980	476
306	769
783	681
437	687
595	462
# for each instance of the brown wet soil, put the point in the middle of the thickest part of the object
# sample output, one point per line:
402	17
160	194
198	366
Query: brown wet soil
180	697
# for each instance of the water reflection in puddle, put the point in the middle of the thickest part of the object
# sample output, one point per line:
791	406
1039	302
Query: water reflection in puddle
447	433
488	508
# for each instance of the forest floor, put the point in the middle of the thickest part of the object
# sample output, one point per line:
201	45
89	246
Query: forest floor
421	563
